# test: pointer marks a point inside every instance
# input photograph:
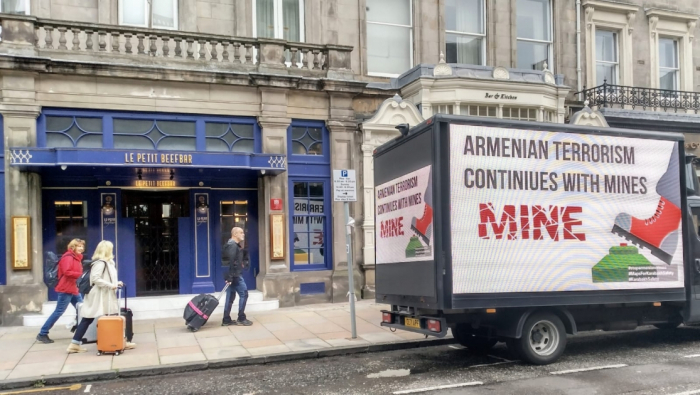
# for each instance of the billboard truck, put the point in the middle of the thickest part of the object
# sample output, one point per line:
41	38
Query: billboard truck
525	232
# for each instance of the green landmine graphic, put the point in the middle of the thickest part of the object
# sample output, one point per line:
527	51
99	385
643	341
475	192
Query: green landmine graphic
615	267
413	245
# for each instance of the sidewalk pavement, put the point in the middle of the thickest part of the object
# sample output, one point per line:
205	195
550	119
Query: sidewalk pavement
165	345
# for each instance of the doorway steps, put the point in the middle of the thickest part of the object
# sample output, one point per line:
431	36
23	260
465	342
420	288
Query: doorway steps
151	307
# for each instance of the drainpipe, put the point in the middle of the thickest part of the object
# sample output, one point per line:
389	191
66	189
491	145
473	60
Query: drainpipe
578	48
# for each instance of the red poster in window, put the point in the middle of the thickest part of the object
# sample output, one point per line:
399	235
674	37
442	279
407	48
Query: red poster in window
275	204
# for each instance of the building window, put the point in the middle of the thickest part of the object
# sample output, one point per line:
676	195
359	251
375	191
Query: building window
307	141
14	7
389	37
465	34
71	223
521	114
149	134
73	132
162	14
477	111
443	109
230	137
309	223
668	64
606	57
279	19
534	34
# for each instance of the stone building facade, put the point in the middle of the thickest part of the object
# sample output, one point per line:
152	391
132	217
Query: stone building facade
160	124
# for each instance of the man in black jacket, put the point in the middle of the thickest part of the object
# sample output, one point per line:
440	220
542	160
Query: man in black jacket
238	262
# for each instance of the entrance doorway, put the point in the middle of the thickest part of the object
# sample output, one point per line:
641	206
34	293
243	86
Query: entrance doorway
156	234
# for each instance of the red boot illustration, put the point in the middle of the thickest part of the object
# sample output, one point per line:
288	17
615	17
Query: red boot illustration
424	226
658	233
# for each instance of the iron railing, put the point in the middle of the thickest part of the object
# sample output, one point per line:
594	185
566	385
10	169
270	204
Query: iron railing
632	97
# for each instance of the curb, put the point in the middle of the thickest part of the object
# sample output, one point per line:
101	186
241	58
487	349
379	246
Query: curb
217	364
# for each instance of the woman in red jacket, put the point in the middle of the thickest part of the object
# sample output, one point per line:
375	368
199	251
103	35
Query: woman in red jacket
70	268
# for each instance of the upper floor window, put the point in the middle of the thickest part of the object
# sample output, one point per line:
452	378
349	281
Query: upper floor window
157	14
534	34
14	6
606	57
465	33
279	19
668	64
389	36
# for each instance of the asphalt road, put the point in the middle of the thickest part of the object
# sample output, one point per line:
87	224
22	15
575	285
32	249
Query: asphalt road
645	361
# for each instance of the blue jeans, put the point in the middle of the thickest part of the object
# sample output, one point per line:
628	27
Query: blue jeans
242	291
61	305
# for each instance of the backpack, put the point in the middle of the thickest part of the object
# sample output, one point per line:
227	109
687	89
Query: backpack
84	285
51	269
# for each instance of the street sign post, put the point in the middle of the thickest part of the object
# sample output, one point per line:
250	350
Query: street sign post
345	190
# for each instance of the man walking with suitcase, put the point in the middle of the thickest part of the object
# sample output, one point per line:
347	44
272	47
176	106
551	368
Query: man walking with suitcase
237	263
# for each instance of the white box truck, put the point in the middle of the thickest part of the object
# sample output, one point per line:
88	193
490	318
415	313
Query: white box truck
525	232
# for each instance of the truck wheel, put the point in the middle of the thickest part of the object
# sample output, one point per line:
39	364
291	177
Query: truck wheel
543	340
476	344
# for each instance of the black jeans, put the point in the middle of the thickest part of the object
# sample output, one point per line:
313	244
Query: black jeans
81	329
238	286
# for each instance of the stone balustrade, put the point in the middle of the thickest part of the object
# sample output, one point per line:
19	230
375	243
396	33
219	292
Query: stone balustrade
65	37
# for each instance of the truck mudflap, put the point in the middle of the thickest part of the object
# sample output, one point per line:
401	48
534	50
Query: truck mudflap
423	324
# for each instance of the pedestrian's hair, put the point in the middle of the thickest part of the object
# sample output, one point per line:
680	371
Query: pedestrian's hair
75	243
104	251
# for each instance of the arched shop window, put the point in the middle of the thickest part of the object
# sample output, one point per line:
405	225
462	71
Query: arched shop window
309	193
61	128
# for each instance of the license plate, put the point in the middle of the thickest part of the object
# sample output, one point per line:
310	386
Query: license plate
412	322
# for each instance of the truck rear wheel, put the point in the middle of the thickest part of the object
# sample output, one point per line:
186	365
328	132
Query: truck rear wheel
543	339
477	344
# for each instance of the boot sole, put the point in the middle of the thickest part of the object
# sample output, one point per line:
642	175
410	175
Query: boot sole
655	251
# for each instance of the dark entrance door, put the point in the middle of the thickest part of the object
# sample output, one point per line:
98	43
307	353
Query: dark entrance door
156	239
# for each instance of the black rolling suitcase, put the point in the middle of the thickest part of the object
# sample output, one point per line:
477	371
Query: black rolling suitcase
129	315
200	308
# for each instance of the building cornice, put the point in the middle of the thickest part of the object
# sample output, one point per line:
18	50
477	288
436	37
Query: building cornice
670	15
610	6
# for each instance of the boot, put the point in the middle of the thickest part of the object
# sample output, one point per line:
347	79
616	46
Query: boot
44	339
658	233
424	226
74	348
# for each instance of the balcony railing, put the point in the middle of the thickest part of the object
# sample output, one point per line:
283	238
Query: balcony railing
66	39
631	97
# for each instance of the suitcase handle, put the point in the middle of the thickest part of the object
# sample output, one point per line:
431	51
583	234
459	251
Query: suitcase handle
120	294
221	294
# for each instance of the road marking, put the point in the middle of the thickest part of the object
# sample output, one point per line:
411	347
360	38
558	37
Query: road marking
688	392
622	365
438	387
457	347
87	388
489	364
70	388
692	356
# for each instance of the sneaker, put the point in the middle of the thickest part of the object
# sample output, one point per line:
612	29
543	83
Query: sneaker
44	339
227	323
74	348
130	346
243	323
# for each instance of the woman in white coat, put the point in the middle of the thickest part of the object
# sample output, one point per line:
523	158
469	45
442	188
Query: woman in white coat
102	299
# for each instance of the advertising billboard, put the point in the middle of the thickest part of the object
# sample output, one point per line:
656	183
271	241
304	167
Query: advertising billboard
404	218
536	211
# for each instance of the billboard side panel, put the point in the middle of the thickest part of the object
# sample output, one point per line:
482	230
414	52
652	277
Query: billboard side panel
539	212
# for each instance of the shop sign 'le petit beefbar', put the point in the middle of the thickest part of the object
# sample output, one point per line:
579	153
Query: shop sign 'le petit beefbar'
170	159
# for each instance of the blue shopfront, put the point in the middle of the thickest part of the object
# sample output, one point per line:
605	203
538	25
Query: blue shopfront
166	189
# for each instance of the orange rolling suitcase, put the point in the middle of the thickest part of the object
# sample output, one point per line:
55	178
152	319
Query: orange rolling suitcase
110	334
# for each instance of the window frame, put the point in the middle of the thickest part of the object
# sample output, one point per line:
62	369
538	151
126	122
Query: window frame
677	69
616	52
550	43
26	8
327	225
410	41
149	16
278	10
482	36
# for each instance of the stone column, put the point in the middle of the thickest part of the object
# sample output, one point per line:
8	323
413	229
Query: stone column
25	290
275	279
368	264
